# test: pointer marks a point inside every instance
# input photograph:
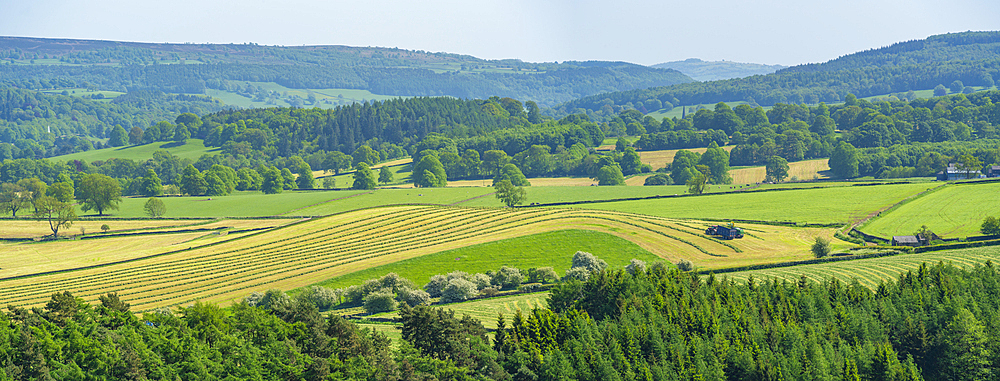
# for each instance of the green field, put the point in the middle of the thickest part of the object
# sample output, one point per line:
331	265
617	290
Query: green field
820	205
238	204
381	197
870	272
956	210
486	310
553	249
193	149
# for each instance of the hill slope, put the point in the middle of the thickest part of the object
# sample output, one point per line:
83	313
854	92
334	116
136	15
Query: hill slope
39	63
971	57
716	70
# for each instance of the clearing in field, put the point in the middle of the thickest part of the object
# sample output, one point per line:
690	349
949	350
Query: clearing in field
319	249
955	210
816	205
871	272
192	149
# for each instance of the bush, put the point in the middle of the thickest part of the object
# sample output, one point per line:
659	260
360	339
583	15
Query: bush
457	290
321	297
481	281
542	275
658	179
273	299
489	291
685	265
588	261
380	301
821	247
395	282
635	266
353	295
577	273
436	285
508	278
531	287
413	297
991	226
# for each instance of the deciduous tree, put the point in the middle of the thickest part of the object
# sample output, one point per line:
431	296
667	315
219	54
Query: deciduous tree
59	214
363	177
509	194
776	169
154	207
99	192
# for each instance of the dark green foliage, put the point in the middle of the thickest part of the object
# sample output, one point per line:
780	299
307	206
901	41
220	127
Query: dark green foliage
385	175
658	179
271	180
776	169
610	175
193	182
844	161
98	192
429	172
821	247
509	194
364	178
118	137
512	173
991	226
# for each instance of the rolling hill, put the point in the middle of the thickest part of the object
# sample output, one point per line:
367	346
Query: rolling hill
716	70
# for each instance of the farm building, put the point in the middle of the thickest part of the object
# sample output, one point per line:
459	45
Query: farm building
906	240
726	232
954	173
993	171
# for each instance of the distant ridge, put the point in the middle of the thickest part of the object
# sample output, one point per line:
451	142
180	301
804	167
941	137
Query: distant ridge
715	70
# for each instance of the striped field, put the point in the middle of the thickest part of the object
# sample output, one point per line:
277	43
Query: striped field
870	272
319	249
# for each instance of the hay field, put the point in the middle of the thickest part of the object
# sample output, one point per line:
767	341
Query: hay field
870	272
660	159
801	170
323	248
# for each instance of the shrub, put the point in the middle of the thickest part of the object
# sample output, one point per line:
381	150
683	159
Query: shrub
531	287
413	297
508	278
588	261
489	291
991	226
273	299
821	247
481	281
436	285
542	275
380	301
457	290
685	265
321	297
395	282
658	179
577	273
635	266
353	295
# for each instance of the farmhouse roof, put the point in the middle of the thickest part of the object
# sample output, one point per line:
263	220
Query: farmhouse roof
905	239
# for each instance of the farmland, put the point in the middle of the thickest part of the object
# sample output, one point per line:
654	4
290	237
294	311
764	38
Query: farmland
956	210
192	149
320	249
870	272
816	205
486	310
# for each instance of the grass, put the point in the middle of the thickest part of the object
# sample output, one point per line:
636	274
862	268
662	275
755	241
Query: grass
320	249
870	272
382	197
238	204
819	205
193	149
326	98
801	170
555	249
487	310
957	210
544	195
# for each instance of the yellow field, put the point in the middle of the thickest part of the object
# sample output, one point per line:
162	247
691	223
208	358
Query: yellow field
803	170
536	182
319	249
35	229
660	159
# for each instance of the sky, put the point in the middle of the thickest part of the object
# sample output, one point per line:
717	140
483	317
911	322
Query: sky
786	32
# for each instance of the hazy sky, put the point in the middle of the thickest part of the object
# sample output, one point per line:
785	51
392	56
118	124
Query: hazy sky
647	32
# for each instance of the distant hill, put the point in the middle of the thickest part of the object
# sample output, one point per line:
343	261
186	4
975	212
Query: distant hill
40	63
716	70
973	58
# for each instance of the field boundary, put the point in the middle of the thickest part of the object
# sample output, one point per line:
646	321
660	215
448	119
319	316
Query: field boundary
328	201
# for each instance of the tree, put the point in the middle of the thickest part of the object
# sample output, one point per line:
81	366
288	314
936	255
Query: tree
844	161
683	166
507	278
957	86
99	192
630	162
154	207
59	214
493	161
821	247
457	290
118	137
658	179
509	194
512	173
777	169
271	181
429	172
151	185
610	175
305	179
991	226
329	182
135	136
363	177
62	191
214	186
365	154
181	133
966	351
287	179
193	181
940	91
967	163
248	179
697	183
385	175
717	160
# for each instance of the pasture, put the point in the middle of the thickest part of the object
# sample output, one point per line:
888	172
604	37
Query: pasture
192	149
238	204
554	248
660	159
956	210
325	98
817	205
799	170
316	250
487	310
871	272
